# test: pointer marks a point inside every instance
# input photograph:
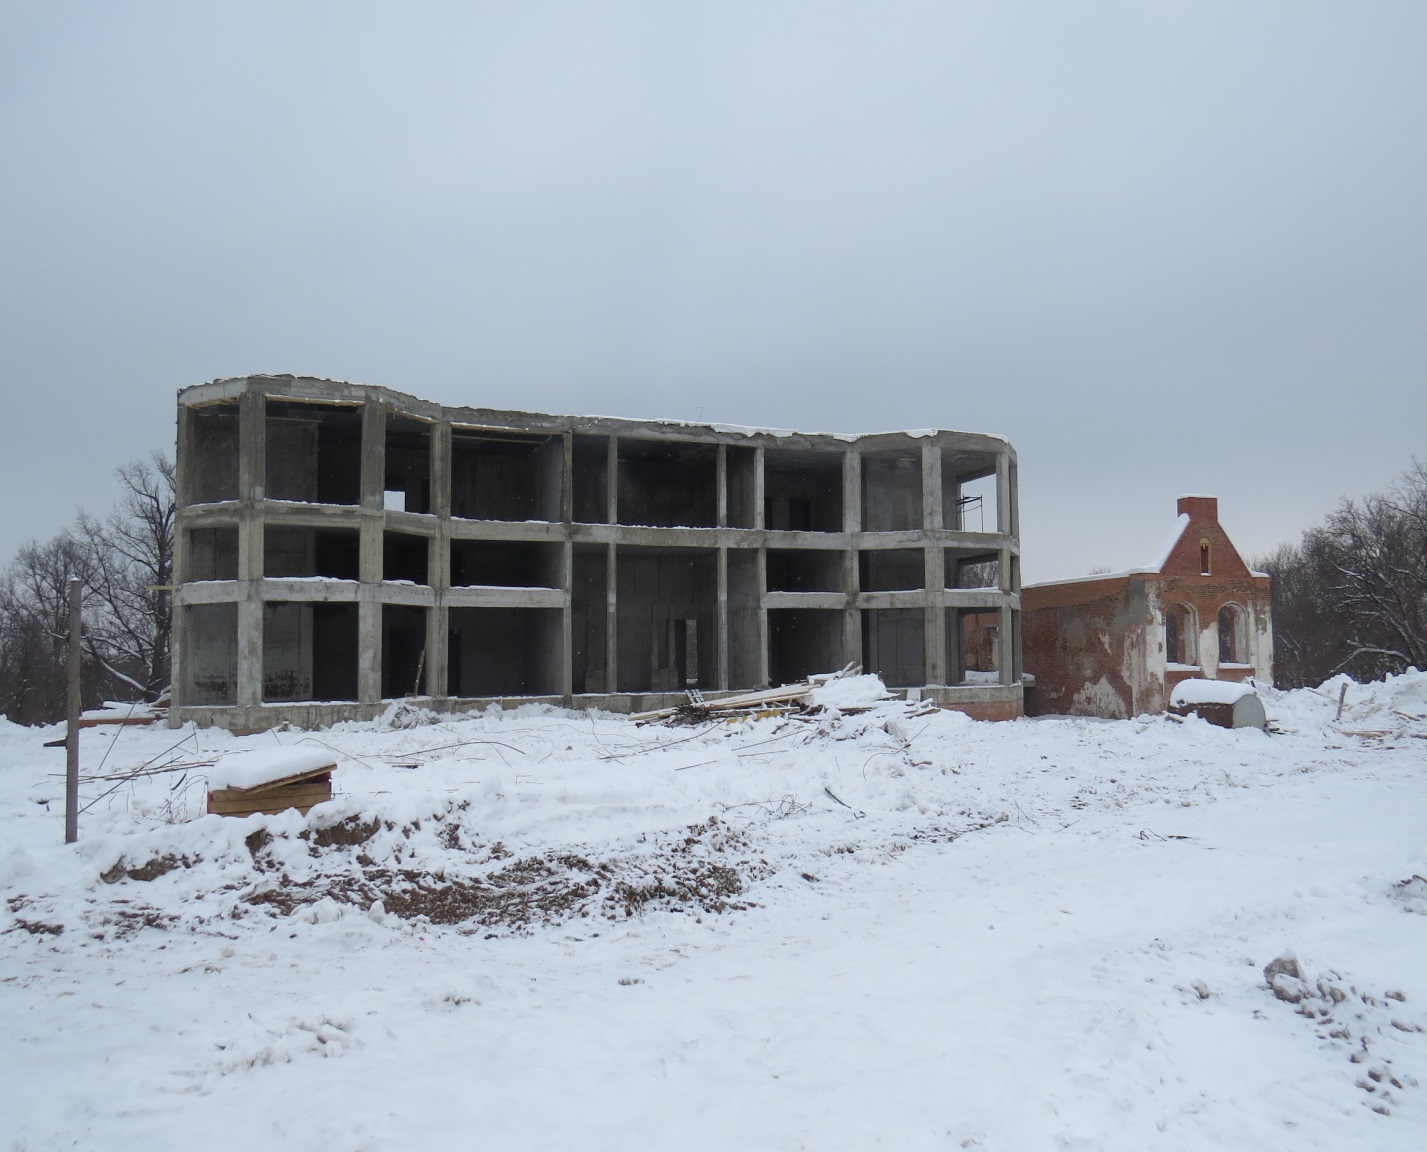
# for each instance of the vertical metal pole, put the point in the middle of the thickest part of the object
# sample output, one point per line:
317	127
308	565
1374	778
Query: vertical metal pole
71	736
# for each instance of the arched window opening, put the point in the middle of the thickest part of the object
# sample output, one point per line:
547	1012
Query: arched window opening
1232	647
1204	557
1179	635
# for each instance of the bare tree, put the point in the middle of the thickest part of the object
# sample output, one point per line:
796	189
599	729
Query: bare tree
1375	554
1352	596
130	575
126	564
34	623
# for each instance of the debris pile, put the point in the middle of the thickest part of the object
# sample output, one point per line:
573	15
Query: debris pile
844	692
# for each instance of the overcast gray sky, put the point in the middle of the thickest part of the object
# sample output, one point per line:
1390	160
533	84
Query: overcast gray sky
1162	247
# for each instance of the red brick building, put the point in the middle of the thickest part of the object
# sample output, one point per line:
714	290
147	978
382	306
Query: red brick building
1116	645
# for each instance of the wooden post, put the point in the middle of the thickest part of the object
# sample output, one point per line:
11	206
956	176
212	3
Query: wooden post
71	736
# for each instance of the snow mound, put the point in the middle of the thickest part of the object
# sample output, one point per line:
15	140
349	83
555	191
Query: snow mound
851	692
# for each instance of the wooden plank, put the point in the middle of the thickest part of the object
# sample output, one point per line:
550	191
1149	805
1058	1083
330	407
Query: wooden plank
97	721
232	802
312	774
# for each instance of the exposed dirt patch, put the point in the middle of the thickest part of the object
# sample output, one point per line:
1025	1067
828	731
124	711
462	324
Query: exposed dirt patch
39	927
149	870
159	866
349	833
704	869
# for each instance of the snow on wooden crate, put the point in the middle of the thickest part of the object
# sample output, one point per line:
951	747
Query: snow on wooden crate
1226	703
270	780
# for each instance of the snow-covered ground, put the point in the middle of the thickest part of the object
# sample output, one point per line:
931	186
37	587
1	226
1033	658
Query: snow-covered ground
544	929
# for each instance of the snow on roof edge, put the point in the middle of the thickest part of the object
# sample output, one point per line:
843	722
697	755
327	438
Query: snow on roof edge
730	429
1181	522
1093	576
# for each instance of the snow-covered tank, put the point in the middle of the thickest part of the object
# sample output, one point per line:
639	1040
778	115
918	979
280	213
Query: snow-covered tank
1226	703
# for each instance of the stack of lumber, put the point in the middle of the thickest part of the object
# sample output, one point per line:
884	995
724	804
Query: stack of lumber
789	697
270	780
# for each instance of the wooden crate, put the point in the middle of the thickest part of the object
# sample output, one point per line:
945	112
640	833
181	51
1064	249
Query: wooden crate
300	792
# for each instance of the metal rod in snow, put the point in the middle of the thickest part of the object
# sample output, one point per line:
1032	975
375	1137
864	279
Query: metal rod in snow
71	735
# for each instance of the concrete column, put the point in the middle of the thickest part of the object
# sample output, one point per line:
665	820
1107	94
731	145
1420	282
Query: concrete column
183	488
567	617
612	482
722	679
721	519
1004	510
438	571
1005	646
933	567
369	603
440	469
852	492
1016	664
760	522
721	483
185	458
1014	501
567	478
851	574
931	485
252	476
611	635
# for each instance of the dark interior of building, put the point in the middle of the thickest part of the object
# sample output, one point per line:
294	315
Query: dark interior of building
314	452
802	491
506	476
506	564
504	652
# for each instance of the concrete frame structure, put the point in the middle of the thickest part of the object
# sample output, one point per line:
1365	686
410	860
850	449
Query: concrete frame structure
1115	645
340	546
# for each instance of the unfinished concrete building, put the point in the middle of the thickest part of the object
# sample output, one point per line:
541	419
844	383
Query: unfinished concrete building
341	546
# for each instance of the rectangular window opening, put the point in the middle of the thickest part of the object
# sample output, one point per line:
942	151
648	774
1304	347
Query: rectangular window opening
665	485
407	484
894	645
212	458
506	476
891	570
969	498
804	641
589	619
331	553
212	554
590	482
504	652
804	570
506	564
405	557
405	658
973	641
309	651
661	593
210	654
740	465
972	569
314	452
892	491
802	491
